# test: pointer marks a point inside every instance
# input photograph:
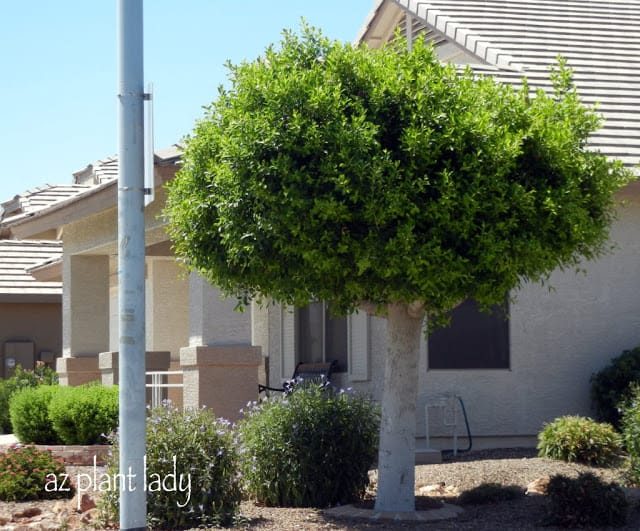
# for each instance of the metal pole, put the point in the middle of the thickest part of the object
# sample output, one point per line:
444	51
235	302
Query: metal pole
133	510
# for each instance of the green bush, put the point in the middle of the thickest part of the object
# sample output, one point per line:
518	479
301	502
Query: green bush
610	386
580	439
204	451
585	501
27	473
312	448
29	410
41	375
631	433
82	414
490	493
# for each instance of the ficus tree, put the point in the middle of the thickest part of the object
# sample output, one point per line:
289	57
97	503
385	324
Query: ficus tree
386	181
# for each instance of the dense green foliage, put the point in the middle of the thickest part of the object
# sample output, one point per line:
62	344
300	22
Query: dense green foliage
41	375
84	414
29	410
27	473
631	432
312	448
490	493
585	501
204	453
347	174
581	440
611	386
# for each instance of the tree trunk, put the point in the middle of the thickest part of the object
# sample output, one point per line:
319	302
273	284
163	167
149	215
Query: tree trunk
396	456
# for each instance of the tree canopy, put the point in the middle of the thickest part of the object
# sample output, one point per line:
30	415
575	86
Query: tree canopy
332	172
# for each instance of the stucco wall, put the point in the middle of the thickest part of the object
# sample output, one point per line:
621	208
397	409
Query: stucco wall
40	323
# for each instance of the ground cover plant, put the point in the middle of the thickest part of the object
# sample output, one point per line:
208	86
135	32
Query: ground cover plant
580	439
312	448
201	447
27	473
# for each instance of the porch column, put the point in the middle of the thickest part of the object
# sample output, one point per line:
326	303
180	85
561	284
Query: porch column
167	306
220	365
85	317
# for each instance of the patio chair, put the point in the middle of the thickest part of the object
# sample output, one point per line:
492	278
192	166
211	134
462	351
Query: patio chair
304	373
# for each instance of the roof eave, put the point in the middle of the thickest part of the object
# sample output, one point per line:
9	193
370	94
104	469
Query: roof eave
95	200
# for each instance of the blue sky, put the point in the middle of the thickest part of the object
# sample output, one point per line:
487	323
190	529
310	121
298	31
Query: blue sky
58	63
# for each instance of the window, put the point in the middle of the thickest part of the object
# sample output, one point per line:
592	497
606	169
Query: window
474	339
321	337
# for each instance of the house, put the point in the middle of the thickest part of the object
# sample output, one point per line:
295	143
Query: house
30	291
512	374
189	327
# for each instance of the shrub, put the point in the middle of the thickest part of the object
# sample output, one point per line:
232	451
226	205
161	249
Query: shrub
585	501
490	493
204	451
631	433
312	448
82	414
610	386
29	410
580	439
27	473
41	375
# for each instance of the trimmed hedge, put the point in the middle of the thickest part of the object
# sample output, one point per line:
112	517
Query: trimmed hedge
29	411
84	414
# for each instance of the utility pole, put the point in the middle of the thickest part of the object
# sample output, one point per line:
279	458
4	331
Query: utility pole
131	251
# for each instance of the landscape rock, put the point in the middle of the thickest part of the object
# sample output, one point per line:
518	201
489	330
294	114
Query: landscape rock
538	486
83	504
437	490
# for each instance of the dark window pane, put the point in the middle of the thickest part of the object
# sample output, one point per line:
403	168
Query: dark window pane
336	341
319	342
310	333
474	340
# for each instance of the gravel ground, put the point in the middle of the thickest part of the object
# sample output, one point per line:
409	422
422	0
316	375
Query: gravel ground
508	467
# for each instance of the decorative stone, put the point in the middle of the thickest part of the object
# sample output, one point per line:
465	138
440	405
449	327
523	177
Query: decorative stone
82	504
28	512
538	486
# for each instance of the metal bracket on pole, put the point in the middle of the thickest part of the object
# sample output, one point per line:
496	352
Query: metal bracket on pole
149	158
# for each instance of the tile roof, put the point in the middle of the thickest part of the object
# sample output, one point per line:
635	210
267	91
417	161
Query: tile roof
509	39
38	198
88	181
105	170
16	257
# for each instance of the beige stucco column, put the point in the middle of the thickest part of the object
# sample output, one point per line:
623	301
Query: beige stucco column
220	365
85	317
167	306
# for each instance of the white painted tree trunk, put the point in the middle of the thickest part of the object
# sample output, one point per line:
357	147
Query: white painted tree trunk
396	456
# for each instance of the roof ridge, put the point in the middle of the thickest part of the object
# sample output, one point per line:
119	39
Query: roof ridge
470	40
